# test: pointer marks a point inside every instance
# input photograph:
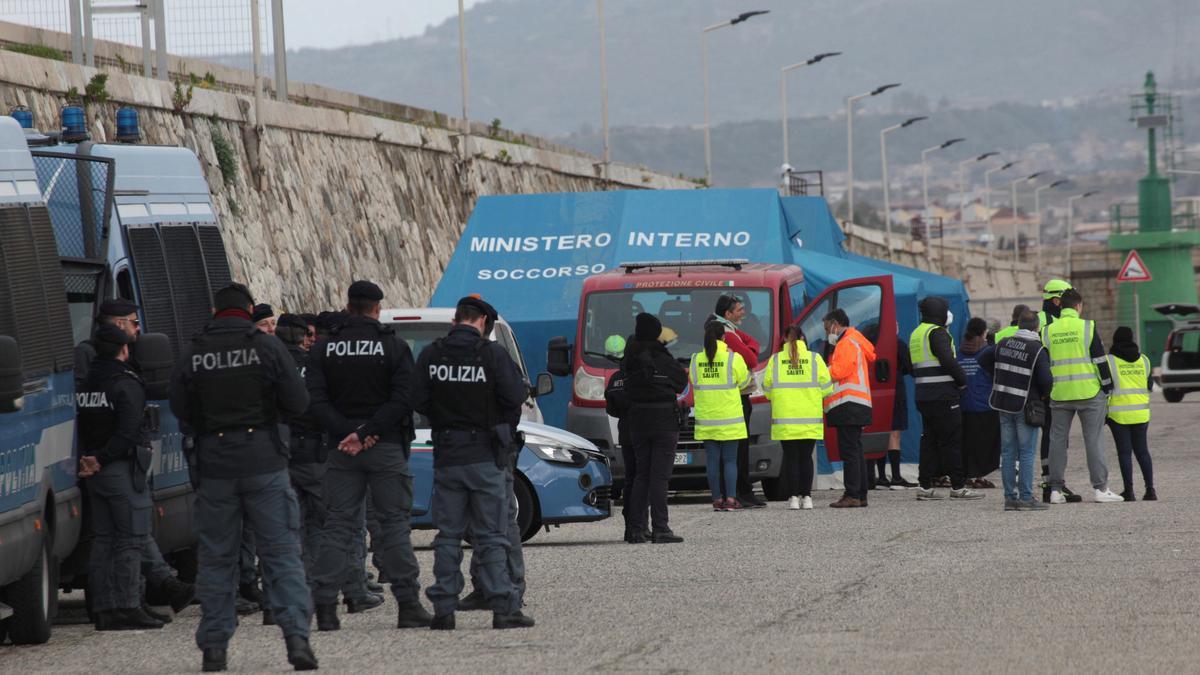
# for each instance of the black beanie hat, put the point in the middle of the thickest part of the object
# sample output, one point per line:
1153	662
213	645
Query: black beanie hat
647	327
1122	335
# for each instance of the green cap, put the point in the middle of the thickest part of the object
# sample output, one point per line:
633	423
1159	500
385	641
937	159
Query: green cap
615	346
1054	288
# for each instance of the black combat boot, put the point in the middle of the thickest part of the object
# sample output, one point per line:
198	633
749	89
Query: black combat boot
514	620
412	615
472	602
444	622
214	660
155	614
300	653
178	593
369	601
268	617
127	619
327	618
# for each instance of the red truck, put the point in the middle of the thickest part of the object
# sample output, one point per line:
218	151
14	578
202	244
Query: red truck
682	295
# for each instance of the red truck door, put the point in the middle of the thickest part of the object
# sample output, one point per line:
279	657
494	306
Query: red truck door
871	305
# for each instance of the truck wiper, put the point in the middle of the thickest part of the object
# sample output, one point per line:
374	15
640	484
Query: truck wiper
609	357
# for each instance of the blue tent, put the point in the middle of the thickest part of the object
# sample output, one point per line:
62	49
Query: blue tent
529	255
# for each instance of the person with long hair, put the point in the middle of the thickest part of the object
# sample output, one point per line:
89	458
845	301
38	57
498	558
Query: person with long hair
796	382
717	374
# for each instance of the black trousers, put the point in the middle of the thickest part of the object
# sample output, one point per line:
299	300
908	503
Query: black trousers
655	458
630	458
941	443
1131	442
854	462
797	469
744	486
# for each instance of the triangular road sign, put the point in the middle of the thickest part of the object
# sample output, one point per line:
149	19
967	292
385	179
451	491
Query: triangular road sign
1134	269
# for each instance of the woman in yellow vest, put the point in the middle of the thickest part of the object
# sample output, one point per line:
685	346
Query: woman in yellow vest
717	376
1129	410
797	381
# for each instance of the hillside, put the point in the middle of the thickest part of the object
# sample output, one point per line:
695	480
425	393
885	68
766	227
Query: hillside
534	62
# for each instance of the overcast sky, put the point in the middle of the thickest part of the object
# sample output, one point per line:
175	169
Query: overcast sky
334	23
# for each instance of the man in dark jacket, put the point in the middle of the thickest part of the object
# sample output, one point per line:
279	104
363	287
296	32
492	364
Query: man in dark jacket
939	379
653	381
1020	368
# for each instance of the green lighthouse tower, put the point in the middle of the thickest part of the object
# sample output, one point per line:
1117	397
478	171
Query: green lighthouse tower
1162	239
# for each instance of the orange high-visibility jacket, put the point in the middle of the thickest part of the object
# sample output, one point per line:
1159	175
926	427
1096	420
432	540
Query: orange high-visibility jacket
849	368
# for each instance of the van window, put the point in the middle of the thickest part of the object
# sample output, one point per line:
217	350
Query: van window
799	298
82	288
683	310
863	305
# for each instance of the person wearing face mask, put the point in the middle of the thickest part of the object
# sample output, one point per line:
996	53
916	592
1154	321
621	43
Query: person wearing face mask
848	408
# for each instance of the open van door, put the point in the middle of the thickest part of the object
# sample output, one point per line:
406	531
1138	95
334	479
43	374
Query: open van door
870	302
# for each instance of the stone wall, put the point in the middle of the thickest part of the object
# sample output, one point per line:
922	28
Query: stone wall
322	196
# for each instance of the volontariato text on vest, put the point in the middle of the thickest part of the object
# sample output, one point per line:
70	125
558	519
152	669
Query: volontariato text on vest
233	358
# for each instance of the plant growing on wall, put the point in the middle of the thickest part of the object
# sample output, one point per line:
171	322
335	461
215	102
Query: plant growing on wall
37	50
226	156
96	90
494	128
181	97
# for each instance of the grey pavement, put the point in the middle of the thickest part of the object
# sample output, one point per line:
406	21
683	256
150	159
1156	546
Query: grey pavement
901	586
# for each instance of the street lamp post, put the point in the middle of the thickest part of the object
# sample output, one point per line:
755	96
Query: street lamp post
466	87
962	183
887	203
704	57
1037	207
783	93
603	89
925	189
987	192
1016	226
1071	225
850	143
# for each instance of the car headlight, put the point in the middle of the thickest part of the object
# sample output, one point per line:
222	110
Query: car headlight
560	454
588	387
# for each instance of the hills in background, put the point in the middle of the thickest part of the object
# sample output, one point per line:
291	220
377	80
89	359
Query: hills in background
1047	79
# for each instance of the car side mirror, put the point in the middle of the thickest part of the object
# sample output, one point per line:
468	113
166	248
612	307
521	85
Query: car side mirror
12	382
154	358
542	386
883	370
558	356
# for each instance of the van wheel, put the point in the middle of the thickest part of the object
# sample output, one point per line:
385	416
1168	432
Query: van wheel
773	489
32	598
1173	395
528	519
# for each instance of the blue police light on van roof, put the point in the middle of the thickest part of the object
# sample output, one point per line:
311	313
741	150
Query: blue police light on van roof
74	123
127	125
23	116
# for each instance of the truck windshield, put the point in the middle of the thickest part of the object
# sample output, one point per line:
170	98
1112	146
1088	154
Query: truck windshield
420	334
683	310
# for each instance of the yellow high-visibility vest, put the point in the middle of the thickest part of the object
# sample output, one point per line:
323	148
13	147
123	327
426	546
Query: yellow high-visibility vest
716	394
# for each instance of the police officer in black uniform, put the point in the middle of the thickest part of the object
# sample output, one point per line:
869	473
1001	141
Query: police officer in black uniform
160	581
476	600
234	385
360	378
468	386
306	466
115	458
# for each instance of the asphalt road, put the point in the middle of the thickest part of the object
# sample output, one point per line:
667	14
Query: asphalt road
902	586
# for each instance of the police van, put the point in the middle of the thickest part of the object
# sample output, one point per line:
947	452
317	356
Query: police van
561	478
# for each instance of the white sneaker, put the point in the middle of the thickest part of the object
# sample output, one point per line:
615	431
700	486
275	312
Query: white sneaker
1107	496
806	503
794	503
1056	497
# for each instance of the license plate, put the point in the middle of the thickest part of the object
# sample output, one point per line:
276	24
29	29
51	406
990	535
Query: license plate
683	458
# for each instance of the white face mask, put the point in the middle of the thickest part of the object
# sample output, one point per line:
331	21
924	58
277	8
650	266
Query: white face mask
949	317
832	337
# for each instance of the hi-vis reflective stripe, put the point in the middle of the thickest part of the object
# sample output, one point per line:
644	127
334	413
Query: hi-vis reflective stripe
1010	390
1129	408
1118	391
719	423
714	387
927	364
776	384
1014	369
926	379
797	420
1070	362
1074	378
